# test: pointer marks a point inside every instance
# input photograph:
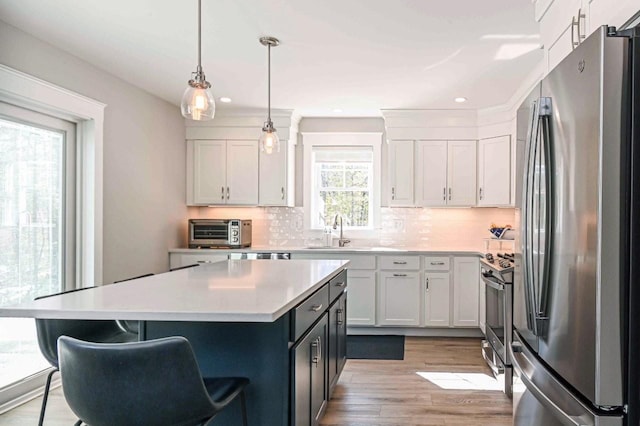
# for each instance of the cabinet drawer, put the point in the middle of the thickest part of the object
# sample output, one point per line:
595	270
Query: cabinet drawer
337	286
440	263
357	261
306	313
400	262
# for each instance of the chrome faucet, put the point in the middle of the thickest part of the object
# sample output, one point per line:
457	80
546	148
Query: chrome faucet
341	241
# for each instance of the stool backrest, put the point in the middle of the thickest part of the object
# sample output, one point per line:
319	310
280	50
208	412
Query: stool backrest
155	382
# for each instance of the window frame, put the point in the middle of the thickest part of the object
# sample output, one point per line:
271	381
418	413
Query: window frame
25	91
342	139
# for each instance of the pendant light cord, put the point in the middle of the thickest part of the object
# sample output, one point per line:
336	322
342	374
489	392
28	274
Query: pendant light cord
199	36
269	83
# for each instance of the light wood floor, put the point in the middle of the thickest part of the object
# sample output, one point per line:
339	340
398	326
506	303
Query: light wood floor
390	393
379	393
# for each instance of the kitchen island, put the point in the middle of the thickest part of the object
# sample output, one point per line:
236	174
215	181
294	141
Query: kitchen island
281	324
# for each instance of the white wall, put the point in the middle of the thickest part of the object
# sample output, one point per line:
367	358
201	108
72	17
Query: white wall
144	156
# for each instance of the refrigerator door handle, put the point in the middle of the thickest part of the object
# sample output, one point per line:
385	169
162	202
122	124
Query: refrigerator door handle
527	232
519	360
545	109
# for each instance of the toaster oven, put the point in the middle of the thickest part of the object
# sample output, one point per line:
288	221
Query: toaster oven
219	233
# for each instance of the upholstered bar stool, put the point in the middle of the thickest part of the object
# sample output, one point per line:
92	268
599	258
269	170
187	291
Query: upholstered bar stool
155	382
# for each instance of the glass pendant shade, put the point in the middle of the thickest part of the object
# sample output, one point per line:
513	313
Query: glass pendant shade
269	141
198	104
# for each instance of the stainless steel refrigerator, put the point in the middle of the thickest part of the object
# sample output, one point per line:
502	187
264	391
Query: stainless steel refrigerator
576	279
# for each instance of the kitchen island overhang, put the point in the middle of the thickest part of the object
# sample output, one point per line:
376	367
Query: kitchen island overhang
242	318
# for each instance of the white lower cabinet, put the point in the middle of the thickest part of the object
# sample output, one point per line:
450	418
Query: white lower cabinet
178	260
437	290
399	298
361	303
466	271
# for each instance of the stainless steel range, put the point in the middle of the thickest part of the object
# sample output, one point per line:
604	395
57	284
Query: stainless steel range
497	276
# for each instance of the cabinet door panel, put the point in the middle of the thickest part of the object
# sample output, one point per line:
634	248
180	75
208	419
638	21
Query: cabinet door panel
342	331
399	298
209	171
309	380
362	297
494	174
437	297
466	271
431	173
461	173
242	172
401	173
332	355
274	175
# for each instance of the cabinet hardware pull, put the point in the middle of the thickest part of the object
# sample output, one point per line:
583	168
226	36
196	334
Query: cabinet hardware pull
314	345
399	275
339	314
437	263
282	190
444	194
319	348
427	282
481	193
316	308
449	193
227	192
393	192
399	263
575	23
341	284
222	191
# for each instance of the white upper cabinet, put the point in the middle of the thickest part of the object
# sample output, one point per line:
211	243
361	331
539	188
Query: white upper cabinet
222	172
208	172
277	174
446	173
242	172
494	171
565	23
461	173
431	173
401	174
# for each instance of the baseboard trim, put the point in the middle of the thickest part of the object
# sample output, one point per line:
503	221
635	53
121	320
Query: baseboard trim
418	332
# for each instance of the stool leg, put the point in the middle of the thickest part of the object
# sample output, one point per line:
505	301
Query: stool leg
243	405
45	397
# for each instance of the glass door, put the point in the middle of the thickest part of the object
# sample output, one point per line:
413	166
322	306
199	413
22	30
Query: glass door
37	234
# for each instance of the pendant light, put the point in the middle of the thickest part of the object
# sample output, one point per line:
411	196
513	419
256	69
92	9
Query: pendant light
197	101
269	141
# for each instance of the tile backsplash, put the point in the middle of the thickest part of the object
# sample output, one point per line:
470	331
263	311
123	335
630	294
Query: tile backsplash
425	228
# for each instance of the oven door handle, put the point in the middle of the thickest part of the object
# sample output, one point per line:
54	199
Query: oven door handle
493	283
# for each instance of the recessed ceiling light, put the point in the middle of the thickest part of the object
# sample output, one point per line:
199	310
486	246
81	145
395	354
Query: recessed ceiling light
225	100
337	110
460	100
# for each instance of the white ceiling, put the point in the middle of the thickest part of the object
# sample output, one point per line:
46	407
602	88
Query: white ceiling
356	55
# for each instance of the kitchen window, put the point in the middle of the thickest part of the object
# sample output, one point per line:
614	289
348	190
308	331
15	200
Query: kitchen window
342	176
37	233
79	259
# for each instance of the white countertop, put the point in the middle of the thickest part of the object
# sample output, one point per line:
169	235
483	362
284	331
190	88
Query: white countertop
337	250
231	291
